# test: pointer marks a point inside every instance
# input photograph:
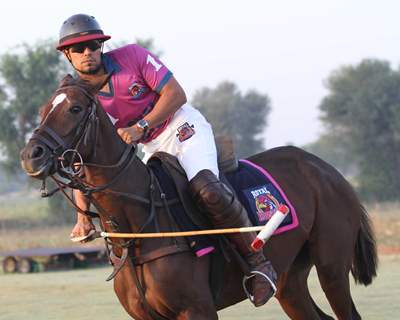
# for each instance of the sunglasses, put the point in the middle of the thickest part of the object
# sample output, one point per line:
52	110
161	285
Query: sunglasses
93	45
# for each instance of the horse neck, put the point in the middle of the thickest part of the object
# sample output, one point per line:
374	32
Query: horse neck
108	152
134	179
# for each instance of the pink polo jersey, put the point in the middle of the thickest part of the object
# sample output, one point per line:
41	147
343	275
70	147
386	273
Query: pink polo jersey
136	82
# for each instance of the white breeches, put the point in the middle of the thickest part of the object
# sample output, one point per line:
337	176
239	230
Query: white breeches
194	151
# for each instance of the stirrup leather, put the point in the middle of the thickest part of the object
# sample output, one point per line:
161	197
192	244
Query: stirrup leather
253	274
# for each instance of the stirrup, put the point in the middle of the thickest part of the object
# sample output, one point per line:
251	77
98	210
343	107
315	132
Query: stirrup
88	237
253	274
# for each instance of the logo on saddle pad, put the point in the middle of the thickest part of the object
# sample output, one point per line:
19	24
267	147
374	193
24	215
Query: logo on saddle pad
185	131
266	203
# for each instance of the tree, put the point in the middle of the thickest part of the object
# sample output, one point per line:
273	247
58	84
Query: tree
243	117
333	150
30	75
362	110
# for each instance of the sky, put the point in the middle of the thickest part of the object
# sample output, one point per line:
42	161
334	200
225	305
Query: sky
285	49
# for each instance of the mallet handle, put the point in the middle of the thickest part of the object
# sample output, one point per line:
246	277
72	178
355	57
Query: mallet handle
180	233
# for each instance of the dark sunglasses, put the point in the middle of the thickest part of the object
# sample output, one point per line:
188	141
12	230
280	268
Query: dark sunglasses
93	45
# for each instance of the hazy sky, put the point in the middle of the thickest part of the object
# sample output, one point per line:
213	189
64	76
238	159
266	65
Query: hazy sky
284	48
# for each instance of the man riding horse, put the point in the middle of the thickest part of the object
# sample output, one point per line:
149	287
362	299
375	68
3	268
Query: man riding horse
147	105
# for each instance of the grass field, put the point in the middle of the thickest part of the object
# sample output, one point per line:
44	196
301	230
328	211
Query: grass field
84	295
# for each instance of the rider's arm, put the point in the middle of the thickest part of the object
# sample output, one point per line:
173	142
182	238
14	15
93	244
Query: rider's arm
81	202
172	97
159	79
84	223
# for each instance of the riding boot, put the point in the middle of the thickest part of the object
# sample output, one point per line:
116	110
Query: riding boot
225	211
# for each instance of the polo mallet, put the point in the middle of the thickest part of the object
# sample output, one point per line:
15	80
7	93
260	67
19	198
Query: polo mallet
270	227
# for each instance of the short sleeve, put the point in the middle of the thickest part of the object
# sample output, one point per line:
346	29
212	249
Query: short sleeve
153	71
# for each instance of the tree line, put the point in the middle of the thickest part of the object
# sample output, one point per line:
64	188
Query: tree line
361	114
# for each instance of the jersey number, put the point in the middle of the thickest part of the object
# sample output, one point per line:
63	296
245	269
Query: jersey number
153	62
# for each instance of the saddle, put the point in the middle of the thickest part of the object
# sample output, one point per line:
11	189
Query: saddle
227	162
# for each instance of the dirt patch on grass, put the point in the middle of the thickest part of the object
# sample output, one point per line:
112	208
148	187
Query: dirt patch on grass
386	223
383	250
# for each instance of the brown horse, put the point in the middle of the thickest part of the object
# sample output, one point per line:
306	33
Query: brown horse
334	233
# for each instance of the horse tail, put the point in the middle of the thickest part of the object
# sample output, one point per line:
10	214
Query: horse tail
365	261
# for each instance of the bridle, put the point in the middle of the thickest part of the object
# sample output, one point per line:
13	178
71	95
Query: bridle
72	170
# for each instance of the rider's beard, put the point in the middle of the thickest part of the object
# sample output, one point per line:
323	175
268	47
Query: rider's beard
90	70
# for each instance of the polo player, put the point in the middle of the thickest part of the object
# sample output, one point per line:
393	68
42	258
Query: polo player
147	105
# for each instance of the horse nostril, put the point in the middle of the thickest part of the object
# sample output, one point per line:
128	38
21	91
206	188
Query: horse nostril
37	152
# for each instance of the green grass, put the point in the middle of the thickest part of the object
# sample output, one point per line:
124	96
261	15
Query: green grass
386	222
377	301
25	222
84	295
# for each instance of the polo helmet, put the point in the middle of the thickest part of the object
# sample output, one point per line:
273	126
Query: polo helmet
80	28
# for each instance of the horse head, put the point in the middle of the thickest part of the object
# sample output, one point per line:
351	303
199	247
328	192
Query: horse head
68	130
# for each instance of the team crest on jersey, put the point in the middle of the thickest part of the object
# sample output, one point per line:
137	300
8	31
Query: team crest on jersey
185	132
136	90
266	203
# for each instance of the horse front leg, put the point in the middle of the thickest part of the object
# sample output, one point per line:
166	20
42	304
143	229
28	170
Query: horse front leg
127	294
178	285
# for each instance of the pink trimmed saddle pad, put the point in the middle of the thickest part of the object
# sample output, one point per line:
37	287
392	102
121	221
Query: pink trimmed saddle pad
261	195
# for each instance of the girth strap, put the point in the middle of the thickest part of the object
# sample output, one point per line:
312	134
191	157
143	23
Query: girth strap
159	253
117	262
148	257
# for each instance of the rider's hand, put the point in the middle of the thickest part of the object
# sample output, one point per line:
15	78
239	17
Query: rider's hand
83	228
130	134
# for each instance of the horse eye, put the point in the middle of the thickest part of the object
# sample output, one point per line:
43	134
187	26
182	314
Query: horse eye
75	109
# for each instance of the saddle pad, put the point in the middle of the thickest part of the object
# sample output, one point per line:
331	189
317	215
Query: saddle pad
261	195
255	188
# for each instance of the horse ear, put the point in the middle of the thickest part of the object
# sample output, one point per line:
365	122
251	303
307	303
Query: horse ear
67	80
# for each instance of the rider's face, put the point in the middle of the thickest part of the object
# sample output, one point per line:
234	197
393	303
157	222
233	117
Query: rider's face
85	56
